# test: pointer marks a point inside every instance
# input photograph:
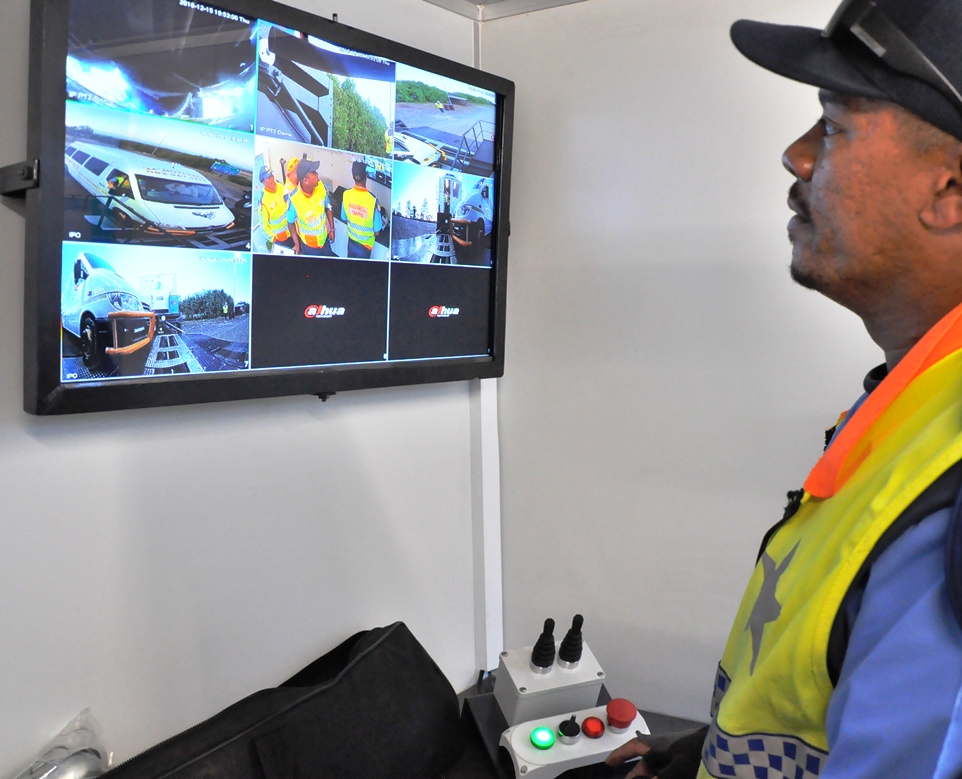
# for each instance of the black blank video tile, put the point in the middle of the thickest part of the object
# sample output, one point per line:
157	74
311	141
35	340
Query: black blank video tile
417	291
285	289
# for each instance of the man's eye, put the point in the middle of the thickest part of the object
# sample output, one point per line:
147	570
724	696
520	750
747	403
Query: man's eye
830	127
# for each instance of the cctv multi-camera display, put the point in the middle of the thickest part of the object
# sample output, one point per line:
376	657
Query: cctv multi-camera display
241	198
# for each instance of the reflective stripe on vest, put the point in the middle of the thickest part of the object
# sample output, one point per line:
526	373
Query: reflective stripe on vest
773	686
274	209
311	215
359	206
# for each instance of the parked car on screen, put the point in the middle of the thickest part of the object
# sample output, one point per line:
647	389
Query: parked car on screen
407	148
103	310
160	196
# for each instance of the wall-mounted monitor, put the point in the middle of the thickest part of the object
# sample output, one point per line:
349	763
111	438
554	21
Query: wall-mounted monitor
242	200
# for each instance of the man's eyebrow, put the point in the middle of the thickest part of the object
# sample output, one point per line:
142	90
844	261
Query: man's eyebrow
828	97
850	103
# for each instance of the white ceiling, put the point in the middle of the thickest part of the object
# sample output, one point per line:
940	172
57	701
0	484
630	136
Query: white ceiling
497	9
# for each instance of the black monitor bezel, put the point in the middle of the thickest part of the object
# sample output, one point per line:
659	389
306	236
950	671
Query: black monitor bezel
45	393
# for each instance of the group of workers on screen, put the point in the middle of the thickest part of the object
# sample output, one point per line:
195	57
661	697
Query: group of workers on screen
299	217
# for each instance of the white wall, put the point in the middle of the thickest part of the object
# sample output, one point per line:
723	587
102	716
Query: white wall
158	565
665	383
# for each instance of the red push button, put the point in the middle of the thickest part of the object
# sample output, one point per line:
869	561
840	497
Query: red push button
621	713
593	727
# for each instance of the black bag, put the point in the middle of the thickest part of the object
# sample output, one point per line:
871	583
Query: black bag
376	706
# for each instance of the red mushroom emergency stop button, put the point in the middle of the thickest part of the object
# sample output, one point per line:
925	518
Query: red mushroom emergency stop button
621	713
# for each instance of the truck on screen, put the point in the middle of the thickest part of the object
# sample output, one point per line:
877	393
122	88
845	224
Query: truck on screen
104	312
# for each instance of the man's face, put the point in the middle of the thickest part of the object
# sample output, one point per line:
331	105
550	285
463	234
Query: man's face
270	183
856	199
309	182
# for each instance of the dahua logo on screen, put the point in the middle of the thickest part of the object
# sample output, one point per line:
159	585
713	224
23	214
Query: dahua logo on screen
323	312
441	312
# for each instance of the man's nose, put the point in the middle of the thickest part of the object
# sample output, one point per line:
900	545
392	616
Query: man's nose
799	158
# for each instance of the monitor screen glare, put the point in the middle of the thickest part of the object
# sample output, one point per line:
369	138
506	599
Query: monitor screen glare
242	197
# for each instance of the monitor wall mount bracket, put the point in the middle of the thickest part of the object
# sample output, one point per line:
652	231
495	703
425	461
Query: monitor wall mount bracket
16	179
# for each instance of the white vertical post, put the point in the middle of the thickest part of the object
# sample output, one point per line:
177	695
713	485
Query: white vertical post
477	45
486	519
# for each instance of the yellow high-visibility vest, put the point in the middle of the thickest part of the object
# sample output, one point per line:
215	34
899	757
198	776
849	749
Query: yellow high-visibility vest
311	215
773	686
274	208
359	208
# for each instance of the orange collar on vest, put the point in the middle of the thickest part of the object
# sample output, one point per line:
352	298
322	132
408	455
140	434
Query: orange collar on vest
837	465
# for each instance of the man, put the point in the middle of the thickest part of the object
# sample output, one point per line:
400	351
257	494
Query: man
118	186
276	212
290	176
845	659
313	222
361	212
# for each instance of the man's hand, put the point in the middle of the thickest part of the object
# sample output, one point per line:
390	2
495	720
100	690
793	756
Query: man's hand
670	756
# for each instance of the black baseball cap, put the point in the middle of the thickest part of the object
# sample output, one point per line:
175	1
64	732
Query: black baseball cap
907	52
305	166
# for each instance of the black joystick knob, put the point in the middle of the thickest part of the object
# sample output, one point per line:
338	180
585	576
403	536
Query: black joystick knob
570	652
542	656
569	730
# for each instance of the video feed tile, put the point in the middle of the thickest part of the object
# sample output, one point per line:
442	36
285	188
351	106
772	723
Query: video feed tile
336	171
144	180
314	92
177	59
441	217
318	311
439	311
444	123
146	311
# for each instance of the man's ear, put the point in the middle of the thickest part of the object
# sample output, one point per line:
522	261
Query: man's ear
943	211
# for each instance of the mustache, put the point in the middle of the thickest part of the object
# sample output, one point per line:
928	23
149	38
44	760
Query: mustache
797	203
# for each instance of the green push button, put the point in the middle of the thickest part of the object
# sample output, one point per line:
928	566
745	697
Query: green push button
542	738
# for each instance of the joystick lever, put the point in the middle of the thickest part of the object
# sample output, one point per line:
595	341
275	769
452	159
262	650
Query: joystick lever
569	655
528	686
542	654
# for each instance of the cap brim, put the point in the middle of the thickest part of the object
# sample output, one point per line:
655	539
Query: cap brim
842	64
802	54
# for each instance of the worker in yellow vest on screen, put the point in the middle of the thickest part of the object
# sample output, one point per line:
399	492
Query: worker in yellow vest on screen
313	222
362	214
275	212
290	177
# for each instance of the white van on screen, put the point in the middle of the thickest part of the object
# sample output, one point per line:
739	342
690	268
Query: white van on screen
157	195
104	311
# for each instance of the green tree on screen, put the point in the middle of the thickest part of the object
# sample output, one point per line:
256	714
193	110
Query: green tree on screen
206	305
358	125
418	92
472	98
